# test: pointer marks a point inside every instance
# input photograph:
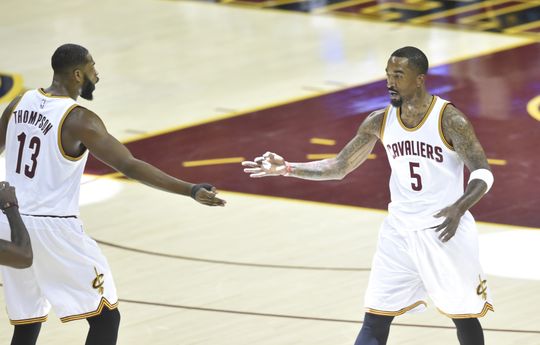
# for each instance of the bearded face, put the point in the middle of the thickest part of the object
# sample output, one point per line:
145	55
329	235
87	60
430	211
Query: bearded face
87	88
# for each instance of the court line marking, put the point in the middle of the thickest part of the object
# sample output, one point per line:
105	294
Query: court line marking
232	263
214	161
15	90
248	111
353	16
311	318
328	204
322	141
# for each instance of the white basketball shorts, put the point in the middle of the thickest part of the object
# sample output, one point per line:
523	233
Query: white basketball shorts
409	266
69	273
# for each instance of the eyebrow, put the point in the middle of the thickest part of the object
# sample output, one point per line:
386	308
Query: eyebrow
396	71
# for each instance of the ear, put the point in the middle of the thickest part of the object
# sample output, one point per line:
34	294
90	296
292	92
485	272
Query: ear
78	74
420	80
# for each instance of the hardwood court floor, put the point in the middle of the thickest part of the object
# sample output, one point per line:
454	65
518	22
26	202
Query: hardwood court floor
263	270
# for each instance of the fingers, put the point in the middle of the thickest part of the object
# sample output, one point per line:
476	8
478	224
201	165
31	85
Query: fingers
442	225
250	164
447	234
255	172
209	198
449	231
441	213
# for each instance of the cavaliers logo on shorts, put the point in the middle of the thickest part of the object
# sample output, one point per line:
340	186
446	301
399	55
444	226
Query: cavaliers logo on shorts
98	281
481	290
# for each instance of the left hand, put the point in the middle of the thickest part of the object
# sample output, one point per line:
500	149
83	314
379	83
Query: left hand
450	225
206	194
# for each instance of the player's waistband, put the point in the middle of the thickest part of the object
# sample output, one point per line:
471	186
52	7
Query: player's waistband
46	215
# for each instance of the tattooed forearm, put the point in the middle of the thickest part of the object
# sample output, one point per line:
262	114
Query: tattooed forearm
459	130
350	157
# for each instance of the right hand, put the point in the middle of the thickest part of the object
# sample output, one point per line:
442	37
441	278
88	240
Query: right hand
269	164
7	194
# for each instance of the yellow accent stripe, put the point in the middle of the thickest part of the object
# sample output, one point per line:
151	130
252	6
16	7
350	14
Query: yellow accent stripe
496	161
28	321
383	124
523	27
273	3
398	312
64	154
316	156
495	13
441	133
16	89
216	161
424	119
98	311
50	95
339	5
321	141
454	11
487	307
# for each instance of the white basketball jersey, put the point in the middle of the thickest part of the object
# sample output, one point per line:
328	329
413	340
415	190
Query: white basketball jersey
427	174
46	179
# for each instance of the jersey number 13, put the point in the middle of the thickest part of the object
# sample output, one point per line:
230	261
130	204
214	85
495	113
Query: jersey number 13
30	155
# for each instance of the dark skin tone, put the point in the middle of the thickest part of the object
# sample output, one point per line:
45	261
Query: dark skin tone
83	129
407	90
18	252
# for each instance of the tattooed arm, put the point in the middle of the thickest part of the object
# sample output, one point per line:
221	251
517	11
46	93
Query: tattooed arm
459	132
350	157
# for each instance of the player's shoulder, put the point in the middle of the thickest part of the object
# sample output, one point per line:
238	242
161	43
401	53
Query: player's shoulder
373	122
81	118
453	118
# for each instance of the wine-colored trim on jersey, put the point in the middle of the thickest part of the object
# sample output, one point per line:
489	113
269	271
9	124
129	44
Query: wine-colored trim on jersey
398	312
60	147
41	91
424	119
383	124
102	303
441	133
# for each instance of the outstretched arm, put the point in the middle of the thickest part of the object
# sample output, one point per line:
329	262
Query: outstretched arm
459	132
18	252
86	128
350	157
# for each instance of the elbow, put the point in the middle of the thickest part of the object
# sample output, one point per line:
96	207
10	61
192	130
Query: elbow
25	260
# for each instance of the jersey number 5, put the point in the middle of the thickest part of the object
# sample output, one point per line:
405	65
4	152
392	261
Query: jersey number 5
33	145
416	186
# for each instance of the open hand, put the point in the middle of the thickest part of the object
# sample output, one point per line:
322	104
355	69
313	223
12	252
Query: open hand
269	164
450	225
206	195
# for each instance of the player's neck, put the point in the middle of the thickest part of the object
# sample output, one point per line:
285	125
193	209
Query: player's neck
415	108
59	88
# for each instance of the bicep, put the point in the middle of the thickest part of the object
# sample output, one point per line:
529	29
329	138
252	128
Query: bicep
94	136
466	144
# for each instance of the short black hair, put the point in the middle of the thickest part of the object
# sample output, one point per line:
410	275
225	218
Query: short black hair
416	57
68	56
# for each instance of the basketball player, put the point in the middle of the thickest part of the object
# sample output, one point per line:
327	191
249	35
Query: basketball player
18	252
428	243
47	137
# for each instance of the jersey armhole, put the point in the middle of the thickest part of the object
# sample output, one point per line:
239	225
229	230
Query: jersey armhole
441	133
60	147
383	123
